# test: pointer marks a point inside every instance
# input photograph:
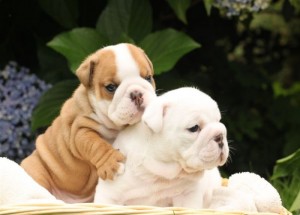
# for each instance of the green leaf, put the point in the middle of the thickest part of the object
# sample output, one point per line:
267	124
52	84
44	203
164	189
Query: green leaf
296	4
276	6
296	203
65	12
285	165
50	103
281	91
208	5
166	47
53	66
271	22
292	136
77	44
180	7
131	17
289	189
285	178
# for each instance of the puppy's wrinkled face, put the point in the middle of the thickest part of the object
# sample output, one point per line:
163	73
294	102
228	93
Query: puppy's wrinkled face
120	82
187	122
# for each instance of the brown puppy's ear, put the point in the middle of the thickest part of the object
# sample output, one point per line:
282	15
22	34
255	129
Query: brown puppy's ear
85	72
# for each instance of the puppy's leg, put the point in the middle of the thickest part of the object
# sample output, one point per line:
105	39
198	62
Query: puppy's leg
90	146
33	166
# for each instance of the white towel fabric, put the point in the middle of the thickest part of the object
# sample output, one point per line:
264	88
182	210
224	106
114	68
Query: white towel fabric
16	186
228	199
247	192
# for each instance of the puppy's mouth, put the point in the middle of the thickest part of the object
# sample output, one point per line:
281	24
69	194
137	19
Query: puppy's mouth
214	159
203	161
141	109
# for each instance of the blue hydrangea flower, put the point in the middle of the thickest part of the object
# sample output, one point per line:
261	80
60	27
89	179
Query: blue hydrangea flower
237	7
19	94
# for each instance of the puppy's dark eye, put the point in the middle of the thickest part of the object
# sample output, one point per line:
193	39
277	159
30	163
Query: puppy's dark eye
195	128
148	78
111	88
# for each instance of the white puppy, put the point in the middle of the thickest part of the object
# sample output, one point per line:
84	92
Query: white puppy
172	155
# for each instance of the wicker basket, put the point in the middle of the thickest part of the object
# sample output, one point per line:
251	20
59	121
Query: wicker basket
95	209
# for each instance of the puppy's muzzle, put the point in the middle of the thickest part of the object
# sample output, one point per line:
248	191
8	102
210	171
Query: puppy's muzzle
137	98
219	140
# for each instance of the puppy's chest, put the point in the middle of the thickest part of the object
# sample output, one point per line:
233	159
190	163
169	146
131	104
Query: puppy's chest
152	190
105	127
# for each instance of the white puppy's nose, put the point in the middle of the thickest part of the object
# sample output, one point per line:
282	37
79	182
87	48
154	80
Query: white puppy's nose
219	140
137	98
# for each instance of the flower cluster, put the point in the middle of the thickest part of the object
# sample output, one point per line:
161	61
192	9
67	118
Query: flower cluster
237	7
19	94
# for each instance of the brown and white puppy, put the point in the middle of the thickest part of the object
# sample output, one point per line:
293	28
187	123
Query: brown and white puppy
172	155
116	85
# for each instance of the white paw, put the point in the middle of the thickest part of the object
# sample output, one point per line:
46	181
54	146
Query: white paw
121	169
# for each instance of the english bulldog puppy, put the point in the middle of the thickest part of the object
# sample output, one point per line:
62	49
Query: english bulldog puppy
116	86
172	155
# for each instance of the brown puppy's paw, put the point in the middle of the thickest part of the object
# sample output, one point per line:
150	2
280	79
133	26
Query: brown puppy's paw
110	167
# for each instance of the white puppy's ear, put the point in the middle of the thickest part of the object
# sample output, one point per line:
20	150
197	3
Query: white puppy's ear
153	115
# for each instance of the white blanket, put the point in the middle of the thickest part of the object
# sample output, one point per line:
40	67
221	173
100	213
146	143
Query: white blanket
16	186
247	192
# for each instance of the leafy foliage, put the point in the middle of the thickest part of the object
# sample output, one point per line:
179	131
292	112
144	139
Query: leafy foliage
166	47
296	4
65	12
125	19
208	5
77	45
50	104
180	8
286	178
117	23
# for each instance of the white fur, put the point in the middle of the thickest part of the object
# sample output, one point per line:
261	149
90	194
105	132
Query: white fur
16	186
167	165
126	65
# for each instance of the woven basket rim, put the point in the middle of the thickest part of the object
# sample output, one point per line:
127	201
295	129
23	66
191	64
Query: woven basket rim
101	209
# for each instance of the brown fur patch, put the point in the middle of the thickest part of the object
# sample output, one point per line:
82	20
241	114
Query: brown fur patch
143	62
91	75
104	74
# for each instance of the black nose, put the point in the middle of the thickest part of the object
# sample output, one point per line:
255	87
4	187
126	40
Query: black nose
219	140
137	98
